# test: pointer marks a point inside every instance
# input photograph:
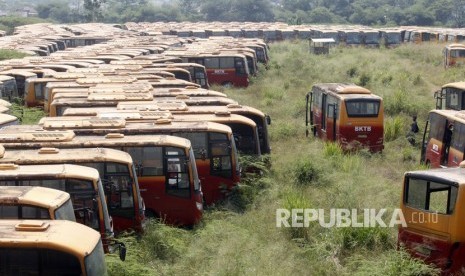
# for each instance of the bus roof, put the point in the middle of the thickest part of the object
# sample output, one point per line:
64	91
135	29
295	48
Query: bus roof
161	126
53	155
455	175
29	195
52	171
112	138
346	90
455	114
7	118
19	72
62	235
217	117
455	46
458	85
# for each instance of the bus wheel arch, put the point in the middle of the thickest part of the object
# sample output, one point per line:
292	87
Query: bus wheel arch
227	84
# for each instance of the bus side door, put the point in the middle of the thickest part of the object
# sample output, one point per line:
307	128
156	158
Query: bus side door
331	119
434	144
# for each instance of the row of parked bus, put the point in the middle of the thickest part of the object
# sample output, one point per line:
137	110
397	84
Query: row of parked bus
131	134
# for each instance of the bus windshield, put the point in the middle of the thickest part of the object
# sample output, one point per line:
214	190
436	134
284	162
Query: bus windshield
82	193
362	108
65	212
117	182
38	261
23	212
430	196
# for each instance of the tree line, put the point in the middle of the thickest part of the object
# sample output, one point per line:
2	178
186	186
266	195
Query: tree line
450	13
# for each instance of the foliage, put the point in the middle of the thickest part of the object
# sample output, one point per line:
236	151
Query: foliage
9	54
26	115
93	10
10	22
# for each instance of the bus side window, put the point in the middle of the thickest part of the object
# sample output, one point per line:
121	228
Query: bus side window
177	182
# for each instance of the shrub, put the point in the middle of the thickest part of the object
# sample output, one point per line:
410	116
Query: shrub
393	128
306	172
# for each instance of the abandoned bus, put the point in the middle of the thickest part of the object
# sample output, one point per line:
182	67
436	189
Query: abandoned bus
82	183
443	139
115	167
451	96
165	166
50	247
453	55
213	145
433	207
197	71
8	88
33	202
345	113
229	69
20	75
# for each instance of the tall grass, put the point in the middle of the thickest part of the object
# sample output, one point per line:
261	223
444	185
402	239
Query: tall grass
240	236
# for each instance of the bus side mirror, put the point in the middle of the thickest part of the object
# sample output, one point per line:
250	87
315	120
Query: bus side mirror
122	251
268	119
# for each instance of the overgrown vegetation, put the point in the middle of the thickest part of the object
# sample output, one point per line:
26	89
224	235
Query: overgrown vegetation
240	236
8	23
387	12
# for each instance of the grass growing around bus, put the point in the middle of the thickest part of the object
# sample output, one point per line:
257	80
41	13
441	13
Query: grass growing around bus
307	173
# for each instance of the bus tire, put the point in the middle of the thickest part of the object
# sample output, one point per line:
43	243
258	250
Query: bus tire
227	84
150	214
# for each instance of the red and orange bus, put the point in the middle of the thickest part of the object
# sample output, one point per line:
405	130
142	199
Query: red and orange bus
229	69
346	113
165	167
443	139
433	204
451	96
116	168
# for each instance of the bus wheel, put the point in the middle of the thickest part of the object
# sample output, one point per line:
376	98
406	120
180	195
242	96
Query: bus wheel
228	84
150	214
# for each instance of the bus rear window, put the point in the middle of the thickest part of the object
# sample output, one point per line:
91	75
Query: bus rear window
362	108
430	196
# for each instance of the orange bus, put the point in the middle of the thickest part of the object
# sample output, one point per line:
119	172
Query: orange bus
197	71
451	96
453	55
433	207
228	69
116	168
82	183
165	167
213	145
443	144
34	202
346	113
50	247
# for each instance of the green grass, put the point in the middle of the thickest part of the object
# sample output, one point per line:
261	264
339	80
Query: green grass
240	236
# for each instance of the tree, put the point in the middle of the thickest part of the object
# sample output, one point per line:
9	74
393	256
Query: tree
93	10
57	11
458	13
